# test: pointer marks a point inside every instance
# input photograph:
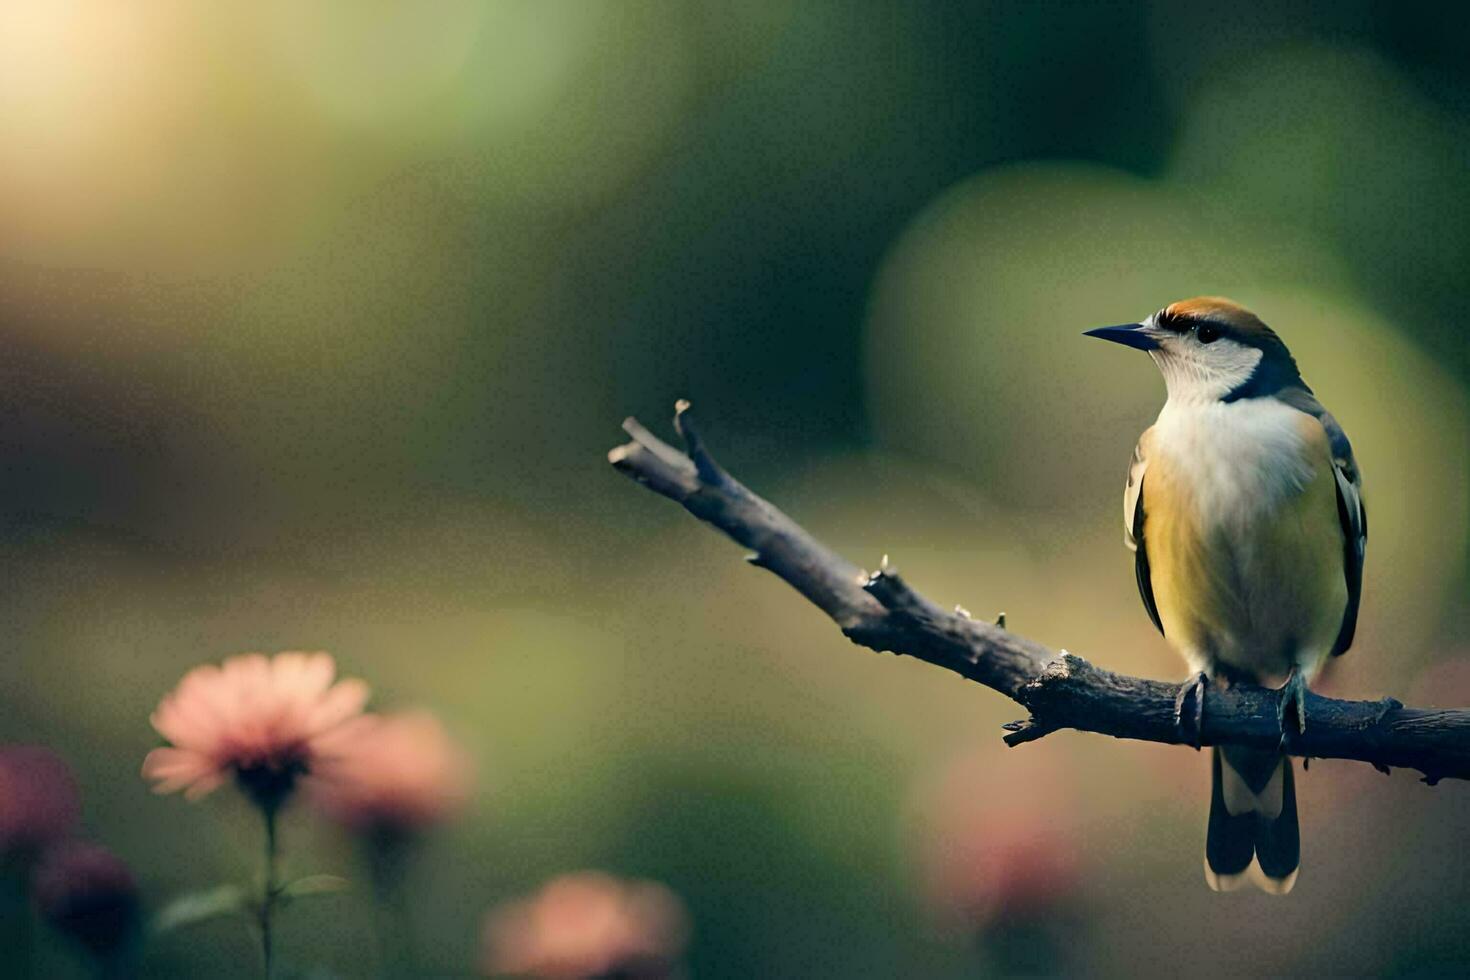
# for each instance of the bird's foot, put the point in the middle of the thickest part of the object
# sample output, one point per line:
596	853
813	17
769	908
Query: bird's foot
1194	686
1293	698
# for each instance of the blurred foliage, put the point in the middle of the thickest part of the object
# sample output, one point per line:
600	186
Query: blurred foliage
316	321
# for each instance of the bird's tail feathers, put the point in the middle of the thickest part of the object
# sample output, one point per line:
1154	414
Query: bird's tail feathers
1252	834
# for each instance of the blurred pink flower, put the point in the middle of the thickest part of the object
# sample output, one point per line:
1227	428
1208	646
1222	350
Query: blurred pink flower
1000	842
588	924
39	802
256	717
397	773
87	892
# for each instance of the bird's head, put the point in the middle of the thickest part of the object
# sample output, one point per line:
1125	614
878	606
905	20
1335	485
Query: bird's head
1210	349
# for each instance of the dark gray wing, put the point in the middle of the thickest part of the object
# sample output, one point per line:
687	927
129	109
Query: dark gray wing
1350	511
1133	530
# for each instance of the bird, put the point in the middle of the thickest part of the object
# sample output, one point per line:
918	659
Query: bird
1244	511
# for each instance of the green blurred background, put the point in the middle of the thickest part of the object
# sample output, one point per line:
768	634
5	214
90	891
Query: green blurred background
317	320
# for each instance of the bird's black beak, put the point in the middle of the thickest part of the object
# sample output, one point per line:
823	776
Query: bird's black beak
1134	335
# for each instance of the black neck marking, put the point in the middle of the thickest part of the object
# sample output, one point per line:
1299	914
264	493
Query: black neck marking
1270	377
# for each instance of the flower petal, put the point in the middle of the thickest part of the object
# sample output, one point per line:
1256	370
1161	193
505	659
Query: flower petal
343	701
249	711
172	769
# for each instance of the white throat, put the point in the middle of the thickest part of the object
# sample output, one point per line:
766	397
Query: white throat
1196	374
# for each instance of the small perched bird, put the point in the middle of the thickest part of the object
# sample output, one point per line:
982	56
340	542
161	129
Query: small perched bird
1244	511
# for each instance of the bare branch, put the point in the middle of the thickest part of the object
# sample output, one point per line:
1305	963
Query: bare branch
1060	690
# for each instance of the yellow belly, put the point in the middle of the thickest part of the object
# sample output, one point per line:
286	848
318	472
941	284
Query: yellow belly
1257	586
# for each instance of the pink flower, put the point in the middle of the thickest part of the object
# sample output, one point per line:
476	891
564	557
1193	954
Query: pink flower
256	717
397	773
39	802
1000	842
1003	860
588	924
87	893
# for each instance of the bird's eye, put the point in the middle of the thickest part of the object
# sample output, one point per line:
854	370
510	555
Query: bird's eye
1207	333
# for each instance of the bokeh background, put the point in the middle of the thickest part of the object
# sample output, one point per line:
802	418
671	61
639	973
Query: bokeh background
317	320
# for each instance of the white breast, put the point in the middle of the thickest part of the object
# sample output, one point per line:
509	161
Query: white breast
1242	527
1240	459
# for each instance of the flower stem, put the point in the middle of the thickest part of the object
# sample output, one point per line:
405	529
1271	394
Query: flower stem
389	856
268	899
17	909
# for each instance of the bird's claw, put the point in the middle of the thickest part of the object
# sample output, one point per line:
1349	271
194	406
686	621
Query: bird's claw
1293	697
1196	686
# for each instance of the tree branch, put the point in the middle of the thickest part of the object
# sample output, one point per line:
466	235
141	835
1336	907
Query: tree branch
1060	690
